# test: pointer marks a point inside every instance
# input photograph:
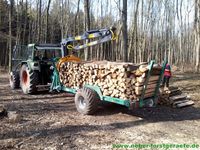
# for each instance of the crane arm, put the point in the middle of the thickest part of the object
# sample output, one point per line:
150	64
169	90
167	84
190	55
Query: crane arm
103	35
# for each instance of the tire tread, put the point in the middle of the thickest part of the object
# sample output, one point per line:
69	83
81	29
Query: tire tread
92	100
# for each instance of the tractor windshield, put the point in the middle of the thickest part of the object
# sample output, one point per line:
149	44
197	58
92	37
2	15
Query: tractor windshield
46	53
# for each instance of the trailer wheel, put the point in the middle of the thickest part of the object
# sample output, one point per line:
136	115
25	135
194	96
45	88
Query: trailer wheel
14	80
86	101
28	80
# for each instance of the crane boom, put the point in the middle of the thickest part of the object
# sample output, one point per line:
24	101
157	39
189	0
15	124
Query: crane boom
103	35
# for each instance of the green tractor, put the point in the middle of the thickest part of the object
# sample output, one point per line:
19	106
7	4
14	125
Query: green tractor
31	67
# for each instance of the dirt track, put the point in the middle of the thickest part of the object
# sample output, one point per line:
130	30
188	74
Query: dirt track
50	121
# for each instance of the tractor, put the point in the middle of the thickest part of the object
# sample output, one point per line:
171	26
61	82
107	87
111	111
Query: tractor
31	66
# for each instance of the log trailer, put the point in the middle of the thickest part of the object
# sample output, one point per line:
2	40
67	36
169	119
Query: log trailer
87	97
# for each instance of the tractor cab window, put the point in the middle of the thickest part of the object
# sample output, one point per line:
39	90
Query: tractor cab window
53	53
37	55
46	54
19	52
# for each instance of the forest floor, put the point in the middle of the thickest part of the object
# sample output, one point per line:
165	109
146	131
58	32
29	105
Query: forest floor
50	121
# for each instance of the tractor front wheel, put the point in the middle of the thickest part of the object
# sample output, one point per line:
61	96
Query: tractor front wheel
28	80
14	80
86	101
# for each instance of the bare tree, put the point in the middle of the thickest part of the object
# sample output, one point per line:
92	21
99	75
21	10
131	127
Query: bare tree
124	31
10	33
197	33
76	17
39	20
47	21
87	24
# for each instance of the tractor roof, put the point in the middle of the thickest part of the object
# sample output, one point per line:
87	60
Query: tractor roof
46	46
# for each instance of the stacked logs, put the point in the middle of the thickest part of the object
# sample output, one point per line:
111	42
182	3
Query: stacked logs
119	80
167	93
174	97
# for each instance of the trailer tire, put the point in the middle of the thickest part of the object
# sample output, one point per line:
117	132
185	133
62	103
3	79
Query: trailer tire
28	80
86	101
14	80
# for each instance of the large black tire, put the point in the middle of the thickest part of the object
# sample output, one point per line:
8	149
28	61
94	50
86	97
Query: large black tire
14	80
86	101
28	80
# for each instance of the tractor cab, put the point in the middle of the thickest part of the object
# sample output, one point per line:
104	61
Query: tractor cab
40	57
31	66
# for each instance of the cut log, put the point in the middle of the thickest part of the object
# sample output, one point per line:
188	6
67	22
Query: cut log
181	101
171	88
152	78
150	87
147	95
143	68
188	103
137	73
149	83
178	92
177	97
139	92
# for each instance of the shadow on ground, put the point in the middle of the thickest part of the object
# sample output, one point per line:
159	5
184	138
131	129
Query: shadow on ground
155	114
148	115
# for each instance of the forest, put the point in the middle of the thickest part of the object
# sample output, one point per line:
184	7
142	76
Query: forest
111	95
146	29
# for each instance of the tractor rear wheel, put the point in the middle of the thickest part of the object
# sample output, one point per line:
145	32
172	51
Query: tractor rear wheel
14	80
86	101
28	80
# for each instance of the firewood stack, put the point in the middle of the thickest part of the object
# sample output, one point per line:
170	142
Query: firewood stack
174	97
119	80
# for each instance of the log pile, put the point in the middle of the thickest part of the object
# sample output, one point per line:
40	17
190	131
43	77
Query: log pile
119	80
174	97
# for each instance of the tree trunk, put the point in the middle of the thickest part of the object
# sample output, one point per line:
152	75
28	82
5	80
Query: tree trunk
10	33
75	18
25	23
87	25
197	33
124	31
47	23
39	21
